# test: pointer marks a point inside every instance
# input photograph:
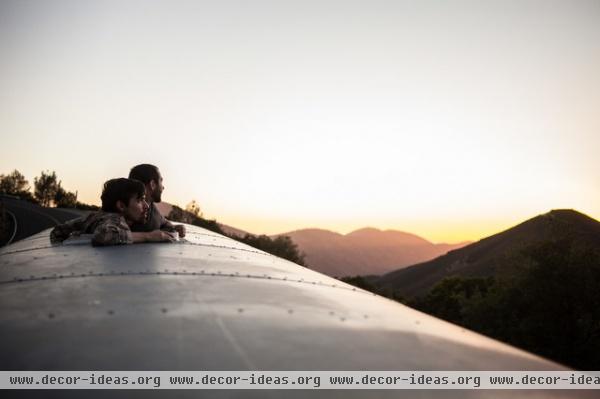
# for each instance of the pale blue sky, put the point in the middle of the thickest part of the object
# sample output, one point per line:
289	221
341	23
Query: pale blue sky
449	119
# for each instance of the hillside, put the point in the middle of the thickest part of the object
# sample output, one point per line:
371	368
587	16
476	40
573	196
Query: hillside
494	254
366	251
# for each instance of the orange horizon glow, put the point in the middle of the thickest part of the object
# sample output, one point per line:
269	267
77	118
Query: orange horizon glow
432	118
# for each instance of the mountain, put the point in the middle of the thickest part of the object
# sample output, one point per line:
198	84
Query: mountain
366	251
494	254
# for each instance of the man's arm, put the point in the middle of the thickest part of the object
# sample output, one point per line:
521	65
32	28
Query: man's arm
110	233
116	232
63	231
168	226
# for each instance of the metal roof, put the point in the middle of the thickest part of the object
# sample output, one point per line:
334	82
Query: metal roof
211	303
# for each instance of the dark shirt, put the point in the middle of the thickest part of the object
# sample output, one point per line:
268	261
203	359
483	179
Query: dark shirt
107	228
155	221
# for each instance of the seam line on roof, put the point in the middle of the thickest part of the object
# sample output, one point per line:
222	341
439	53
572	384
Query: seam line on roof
113	273
182	243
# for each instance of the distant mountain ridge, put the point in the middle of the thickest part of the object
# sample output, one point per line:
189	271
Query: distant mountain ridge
366	251
493	254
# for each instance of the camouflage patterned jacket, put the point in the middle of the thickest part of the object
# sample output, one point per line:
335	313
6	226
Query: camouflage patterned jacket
106	228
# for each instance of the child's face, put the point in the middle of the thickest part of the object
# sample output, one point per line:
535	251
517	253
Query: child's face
136	210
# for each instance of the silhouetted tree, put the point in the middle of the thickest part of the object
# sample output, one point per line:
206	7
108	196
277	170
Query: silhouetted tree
13	183
46	187
360	282
194	208
179	215
65	199
281	246
448	299
547	302
87	207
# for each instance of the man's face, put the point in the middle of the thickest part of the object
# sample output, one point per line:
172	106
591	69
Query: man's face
137	210
158	189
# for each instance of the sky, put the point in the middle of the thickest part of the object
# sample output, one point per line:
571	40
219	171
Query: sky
452	120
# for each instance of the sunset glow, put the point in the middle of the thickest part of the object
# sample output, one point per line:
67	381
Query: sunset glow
450	120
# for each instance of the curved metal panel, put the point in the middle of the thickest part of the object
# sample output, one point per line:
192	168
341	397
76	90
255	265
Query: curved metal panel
212	303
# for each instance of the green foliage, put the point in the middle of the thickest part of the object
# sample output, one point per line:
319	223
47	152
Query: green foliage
548	303
194	208
64	199
360	282
281	246
46	187
179	215
13	183
208	224
451	296
86	207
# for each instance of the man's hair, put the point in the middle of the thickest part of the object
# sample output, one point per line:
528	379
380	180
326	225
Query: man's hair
120	189
144	173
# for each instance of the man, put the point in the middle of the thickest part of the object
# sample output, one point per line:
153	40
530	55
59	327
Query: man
152	179
123	204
